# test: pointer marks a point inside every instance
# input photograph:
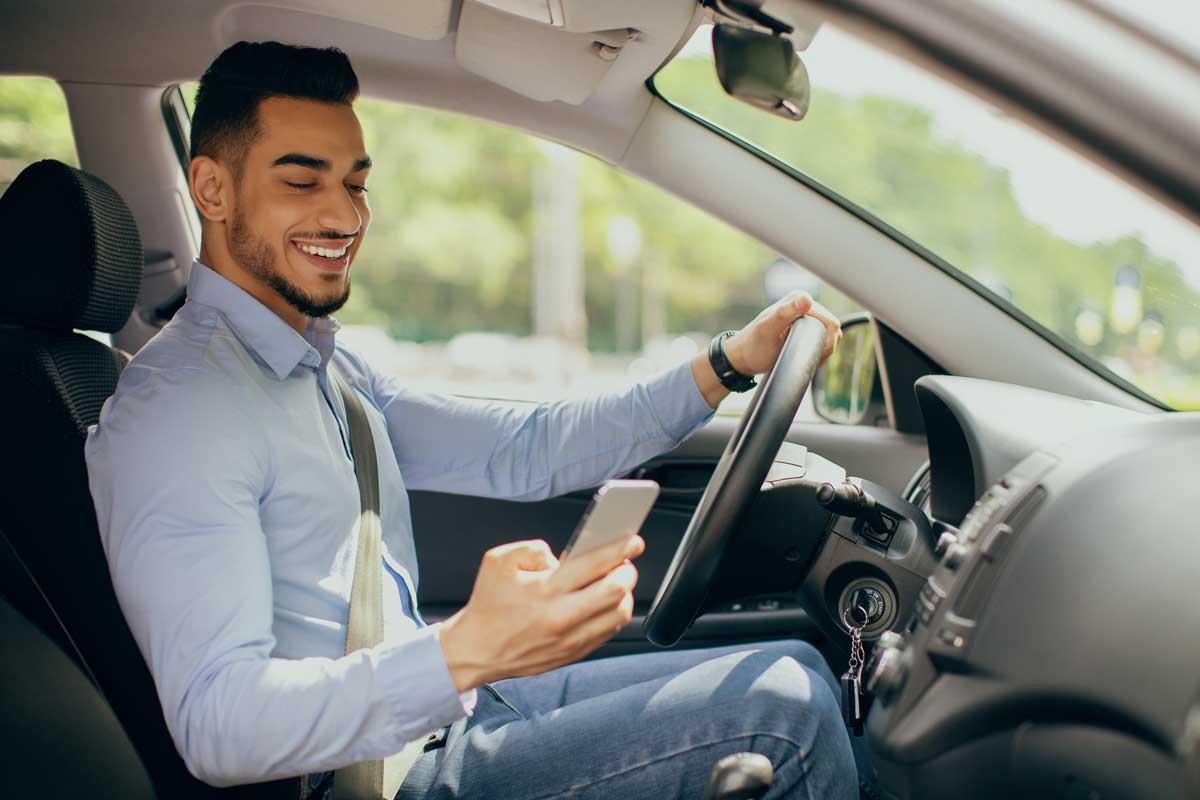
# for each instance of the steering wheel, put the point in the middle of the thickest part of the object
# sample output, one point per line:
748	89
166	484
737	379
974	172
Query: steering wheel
734	484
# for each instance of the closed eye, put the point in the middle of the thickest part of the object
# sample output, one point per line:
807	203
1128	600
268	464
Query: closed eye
356	188
300	185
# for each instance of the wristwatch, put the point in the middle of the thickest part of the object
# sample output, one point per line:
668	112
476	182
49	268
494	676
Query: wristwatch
730	378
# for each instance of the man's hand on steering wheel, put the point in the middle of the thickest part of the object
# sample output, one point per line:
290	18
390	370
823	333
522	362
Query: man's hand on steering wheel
789	349
755	348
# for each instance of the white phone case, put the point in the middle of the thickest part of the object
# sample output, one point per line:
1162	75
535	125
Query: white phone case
617	511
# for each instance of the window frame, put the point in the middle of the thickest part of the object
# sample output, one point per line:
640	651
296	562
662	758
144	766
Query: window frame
175	114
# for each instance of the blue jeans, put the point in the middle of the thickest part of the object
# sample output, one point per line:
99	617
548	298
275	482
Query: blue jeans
648	726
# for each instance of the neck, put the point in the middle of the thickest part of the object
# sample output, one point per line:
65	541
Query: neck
261	291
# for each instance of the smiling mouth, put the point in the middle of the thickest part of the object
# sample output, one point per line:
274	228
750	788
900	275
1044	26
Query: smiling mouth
326	258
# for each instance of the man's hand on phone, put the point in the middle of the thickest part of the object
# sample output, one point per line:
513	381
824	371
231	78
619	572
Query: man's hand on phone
529	614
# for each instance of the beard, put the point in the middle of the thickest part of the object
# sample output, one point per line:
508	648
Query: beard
256	257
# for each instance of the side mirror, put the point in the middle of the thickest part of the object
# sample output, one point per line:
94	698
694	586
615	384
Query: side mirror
847	389
762	70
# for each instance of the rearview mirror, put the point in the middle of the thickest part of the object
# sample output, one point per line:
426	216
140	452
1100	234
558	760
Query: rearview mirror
846	389
762	70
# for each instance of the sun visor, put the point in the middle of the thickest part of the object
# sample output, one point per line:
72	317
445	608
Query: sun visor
547	50
416	19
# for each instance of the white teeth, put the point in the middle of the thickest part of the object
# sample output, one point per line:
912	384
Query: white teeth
322	251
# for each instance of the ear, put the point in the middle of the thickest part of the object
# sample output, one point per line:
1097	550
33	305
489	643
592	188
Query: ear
210	183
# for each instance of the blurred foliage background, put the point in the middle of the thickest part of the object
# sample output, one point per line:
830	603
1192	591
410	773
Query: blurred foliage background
1116	300
33	126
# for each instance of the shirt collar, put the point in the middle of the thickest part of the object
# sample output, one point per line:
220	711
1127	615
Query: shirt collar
259	328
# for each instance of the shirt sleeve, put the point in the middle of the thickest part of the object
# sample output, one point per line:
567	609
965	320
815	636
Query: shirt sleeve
176	470
492	449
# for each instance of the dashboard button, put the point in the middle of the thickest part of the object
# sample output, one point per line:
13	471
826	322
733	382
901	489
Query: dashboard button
996	542
955	555
952	638
944	542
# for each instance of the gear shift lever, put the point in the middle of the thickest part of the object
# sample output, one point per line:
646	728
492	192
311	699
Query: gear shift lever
741	776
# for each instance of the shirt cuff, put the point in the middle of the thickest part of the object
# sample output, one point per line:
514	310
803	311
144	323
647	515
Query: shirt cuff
678	403
421	674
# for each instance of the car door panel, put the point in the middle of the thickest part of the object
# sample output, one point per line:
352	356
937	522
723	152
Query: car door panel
453	531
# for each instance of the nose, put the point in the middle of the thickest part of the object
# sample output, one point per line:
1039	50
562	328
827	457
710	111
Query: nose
339	213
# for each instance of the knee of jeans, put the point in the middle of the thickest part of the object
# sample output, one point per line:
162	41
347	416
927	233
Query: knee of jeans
807	655
792	695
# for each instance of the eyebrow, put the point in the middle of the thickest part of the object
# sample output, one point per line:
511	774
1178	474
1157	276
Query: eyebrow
313	162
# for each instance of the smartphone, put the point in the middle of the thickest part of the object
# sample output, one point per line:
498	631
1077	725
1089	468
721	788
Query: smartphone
617	511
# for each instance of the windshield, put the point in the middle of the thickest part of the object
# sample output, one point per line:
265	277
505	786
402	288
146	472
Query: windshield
1092	260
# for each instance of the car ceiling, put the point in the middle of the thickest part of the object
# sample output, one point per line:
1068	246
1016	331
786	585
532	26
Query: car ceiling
454	54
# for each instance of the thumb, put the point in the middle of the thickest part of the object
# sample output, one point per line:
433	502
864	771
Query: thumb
792	307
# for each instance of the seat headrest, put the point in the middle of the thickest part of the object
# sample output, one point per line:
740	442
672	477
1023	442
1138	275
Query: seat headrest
72	252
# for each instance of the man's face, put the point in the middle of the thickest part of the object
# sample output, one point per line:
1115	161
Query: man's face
301	210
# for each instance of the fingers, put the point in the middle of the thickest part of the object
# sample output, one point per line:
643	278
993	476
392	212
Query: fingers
611	593
833	328
791	308
581	570
531	555
800	304
601	627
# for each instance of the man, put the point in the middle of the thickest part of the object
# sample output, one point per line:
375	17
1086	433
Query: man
225	489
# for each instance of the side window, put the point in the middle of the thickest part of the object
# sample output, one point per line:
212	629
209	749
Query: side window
500	265
33	125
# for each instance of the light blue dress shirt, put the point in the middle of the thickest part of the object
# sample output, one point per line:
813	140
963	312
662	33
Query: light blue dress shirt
228	510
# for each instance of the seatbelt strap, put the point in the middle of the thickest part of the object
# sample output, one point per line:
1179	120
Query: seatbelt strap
365	780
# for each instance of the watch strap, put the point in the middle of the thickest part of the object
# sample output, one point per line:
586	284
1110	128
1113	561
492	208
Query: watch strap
729	377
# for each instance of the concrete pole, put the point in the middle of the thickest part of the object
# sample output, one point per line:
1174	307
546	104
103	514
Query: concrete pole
558	281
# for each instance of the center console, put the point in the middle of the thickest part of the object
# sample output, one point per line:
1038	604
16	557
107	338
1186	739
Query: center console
945	617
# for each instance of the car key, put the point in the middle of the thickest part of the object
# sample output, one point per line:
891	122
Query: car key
852	696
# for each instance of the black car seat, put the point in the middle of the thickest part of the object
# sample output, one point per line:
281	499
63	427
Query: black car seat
73	260
60	737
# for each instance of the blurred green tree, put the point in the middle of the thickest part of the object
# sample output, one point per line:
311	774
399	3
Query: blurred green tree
33	125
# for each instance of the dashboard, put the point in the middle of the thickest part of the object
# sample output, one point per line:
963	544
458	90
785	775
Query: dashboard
1054	651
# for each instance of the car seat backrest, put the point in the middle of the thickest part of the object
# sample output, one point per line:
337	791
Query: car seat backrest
73	259
61	737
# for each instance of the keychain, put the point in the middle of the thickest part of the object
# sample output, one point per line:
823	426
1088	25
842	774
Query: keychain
852	697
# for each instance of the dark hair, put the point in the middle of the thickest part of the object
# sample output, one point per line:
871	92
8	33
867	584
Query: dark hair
225	121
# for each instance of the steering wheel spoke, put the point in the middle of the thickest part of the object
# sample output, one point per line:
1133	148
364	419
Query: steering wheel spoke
735	483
